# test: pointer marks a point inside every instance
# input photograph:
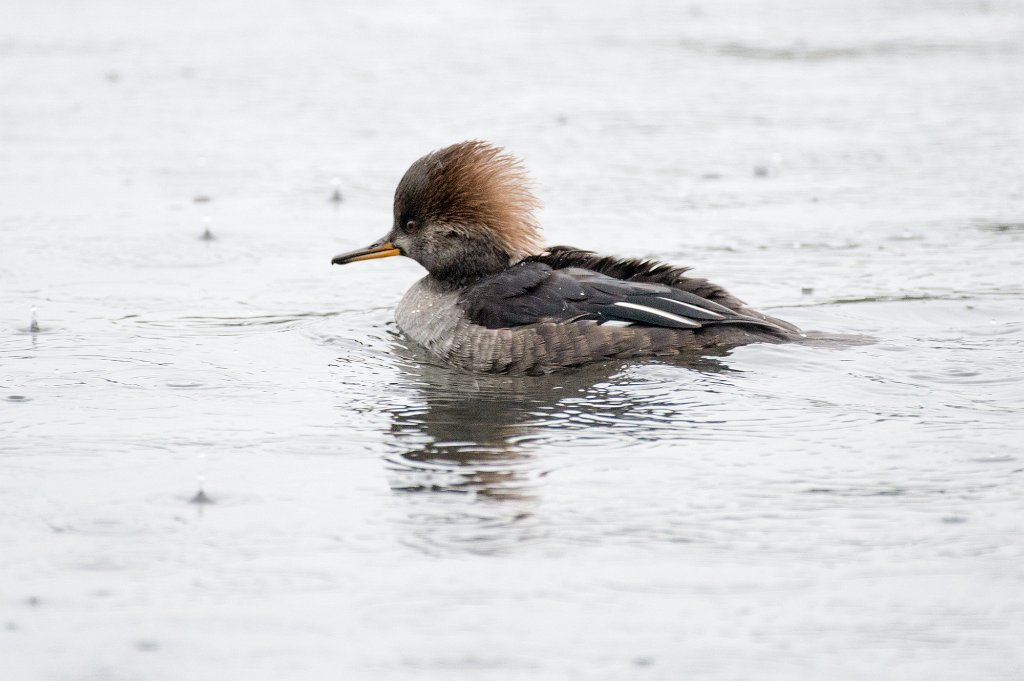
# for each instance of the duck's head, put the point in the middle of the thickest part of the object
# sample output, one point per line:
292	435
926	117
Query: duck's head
462	212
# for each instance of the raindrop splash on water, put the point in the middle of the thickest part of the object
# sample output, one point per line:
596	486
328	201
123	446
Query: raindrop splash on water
207	234
201	497
336	194
34	324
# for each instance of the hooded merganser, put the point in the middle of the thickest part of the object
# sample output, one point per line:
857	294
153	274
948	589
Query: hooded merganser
495	300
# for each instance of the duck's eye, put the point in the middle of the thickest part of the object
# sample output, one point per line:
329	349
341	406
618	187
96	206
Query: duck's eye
411	226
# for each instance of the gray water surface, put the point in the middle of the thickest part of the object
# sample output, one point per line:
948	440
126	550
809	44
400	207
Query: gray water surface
775	512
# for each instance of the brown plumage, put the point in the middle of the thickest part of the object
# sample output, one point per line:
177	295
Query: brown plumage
473	186
494	300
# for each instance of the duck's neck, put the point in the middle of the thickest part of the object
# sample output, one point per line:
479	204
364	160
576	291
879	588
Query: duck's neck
470	264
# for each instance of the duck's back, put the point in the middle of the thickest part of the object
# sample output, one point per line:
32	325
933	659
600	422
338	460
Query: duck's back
568	307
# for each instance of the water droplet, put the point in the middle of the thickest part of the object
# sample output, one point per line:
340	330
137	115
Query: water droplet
201	497
34	324
336	194
207	234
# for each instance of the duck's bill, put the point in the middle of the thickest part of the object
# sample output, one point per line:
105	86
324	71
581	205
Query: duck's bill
381	249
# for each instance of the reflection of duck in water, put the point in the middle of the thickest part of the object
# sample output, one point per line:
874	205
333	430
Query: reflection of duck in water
463	467
470	434
474	433
463	463
495	301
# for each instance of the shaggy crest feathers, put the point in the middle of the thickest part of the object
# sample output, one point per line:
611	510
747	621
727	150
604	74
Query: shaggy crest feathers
474	185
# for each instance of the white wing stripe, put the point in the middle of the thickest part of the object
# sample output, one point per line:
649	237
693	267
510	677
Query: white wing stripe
660	313
694	307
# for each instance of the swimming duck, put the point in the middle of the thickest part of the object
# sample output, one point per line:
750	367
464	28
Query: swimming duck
496	300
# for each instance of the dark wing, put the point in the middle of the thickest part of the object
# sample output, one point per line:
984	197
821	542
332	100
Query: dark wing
533	292
653	272
637	269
